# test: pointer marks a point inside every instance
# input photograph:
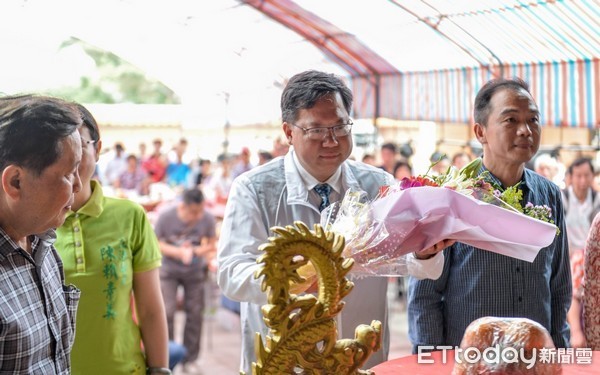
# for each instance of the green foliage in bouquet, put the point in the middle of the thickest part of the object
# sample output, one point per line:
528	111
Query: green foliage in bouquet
480	186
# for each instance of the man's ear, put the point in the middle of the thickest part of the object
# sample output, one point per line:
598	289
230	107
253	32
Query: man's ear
479	131
12	177
287	129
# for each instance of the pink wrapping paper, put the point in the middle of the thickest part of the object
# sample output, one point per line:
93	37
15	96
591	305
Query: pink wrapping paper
419	217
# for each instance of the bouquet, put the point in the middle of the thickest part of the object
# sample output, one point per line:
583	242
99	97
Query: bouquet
418	212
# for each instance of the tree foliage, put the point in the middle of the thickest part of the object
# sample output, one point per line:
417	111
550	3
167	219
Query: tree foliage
116	81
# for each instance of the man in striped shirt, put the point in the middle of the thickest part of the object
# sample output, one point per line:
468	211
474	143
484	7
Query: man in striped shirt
477	283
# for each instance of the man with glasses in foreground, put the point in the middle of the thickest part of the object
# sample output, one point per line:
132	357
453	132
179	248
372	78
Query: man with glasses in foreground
314	173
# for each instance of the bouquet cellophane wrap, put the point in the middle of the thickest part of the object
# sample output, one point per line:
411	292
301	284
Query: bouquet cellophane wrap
380	233
501	338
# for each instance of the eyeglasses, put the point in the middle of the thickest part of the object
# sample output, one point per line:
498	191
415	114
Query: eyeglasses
319	134
85	142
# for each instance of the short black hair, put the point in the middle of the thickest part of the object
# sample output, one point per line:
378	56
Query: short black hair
580	161
192	196
389	146
304	89
400	164
32	128
481	110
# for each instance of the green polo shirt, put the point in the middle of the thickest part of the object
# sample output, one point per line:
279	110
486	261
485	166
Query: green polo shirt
102	245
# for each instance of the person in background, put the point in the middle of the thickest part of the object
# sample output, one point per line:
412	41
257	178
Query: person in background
477	283
220	182
156	164
316	122
201	174
116	165
439	163
142	156
581	204
368	159
460	159
40	150
110	252
402	169
133	178
280	147
243	164
387	154
469	149
561	170
178	170
187	238
264	157
546	166
406	150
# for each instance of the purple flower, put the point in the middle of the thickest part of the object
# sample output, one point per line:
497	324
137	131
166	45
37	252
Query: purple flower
409	183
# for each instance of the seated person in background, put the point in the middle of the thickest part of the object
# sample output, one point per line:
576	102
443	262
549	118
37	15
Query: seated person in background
545	165
460	159
220	182
205	173
368	159
111	253
116	165
243	163
264	157
133	178
388	153
402	169
187	238
178	169
156	164
439	162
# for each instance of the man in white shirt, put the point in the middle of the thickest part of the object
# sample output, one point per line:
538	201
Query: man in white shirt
315	113
580	203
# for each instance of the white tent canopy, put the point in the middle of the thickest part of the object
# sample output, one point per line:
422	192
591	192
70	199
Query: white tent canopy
228	61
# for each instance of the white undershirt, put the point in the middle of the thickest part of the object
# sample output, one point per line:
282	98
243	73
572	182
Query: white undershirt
335	181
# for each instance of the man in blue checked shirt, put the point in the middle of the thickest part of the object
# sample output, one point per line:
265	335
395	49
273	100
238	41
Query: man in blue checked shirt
477	283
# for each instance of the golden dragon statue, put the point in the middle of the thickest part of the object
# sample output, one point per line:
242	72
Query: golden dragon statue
303	331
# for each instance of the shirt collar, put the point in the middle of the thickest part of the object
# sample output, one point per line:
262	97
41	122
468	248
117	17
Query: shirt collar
93	207
524	184
588	196
335	181
7	245
494	180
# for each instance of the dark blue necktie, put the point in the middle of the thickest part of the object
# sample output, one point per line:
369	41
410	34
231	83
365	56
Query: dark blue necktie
323	190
